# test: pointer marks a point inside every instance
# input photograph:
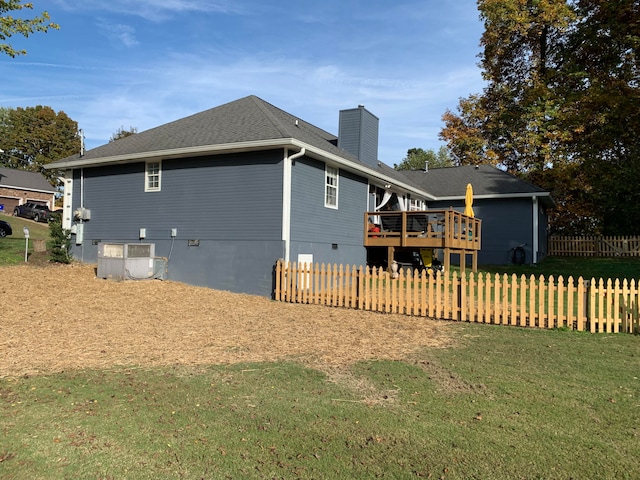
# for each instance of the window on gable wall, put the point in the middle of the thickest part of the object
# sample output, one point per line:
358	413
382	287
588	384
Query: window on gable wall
152	176
331	187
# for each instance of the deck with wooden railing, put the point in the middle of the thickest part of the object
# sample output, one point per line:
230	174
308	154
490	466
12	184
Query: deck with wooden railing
449	230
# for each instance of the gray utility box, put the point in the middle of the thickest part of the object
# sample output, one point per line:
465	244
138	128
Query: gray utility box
126	261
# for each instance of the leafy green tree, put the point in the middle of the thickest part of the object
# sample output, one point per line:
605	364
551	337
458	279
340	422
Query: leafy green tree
562	95
575	212
10	25
514	121
35	136
419	159
123	133
602	91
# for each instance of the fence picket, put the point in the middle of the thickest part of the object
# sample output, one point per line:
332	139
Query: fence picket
482	294
616	306
609	305
560	299
424	290
592	306
540	312
462	297
513	288
581	299
634	326
524	317
487	311
501	286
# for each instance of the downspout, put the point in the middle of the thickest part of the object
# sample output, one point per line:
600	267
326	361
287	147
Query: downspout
82	188
536	227
81	221
67	206
286	201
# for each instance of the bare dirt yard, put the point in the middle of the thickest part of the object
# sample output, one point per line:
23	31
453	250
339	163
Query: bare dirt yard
57	318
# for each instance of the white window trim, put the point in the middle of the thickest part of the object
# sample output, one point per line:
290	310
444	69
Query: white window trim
146	176
417	205
329	170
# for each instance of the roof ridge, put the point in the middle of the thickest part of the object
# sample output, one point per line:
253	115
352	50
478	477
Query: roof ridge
262	105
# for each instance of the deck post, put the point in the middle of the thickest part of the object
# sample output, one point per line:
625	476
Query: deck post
390	257
447	258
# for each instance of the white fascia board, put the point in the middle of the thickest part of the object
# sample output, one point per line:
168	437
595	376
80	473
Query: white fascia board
496	196
172	153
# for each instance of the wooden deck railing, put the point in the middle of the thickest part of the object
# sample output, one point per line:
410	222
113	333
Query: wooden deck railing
423	229
594	246
610	306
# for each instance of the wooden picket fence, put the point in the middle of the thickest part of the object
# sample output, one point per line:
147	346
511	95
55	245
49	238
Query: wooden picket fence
600	306
594	246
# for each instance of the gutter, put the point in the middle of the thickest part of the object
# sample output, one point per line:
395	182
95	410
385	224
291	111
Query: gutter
544	196
497	196
167	154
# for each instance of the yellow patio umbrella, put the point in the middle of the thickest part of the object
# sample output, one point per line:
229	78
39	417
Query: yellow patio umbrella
468	201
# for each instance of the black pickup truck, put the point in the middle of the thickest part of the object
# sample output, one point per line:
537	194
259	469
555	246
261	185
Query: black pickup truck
34	211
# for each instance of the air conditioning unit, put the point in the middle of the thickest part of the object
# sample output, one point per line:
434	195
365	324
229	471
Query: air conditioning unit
127	261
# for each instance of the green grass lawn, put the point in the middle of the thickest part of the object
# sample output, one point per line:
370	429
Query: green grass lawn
503	403
12	247
586	267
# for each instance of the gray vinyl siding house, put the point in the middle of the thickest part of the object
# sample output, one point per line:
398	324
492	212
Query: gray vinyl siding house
241	186
225	193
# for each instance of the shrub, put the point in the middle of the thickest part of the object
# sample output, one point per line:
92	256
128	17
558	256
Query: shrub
60	242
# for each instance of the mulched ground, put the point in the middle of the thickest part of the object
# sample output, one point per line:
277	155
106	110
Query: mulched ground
57	318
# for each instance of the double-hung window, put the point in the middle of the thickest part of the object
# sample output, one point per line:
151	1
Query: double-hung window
152	176
331	187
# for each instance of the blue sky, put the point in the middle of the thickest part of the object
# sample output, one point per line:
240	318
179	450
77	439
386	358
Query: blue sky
110	66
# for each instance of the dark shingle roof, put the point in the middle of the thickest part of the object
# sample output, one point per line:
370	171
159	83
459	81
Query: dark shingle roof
13	178
485	180
400	176
245	120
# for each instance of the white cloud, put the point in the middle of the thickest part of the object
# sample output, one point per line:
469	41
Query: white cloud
154	10
118	32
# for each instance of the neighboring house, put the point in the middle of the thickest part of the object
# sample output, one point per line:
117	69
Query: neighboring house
18	187
225	193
